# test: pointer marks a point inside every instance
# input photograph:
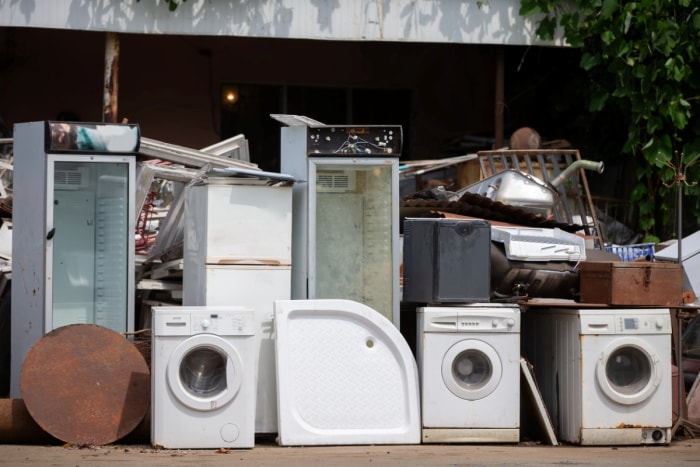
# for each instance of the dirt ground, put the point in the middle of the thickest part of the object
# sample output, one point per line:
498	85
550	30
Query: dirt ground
678	453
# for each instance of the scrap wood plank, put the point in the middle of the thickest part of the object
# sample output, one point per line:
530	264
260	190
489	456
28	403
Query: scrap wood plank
535	397
167	270
174	289
153	284
151	303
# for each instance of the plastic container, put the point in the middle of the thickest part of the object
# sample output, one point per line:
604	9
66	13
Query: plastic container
632	252
533	244
446	260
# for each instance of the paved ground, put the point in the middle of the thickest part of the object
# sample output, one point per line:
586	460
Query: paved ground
678	453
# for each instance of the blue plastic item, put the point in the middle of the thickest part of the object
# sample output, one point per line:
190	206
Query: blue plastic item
633	252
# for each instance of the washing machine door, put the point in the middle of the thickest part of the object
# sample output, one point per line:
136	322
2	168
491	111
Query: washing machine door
205	372
628	370
471	369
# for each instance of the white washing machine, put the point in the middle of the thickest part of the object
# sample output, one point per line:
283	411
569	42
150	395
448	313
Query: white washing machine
203	377
469	365
604	374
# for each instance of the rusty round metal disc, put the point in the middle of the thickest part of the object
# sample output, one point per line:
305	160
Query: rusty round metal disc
85	384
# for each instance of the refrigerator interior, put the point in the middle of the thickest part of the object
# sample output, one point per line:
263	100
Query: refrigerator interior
89	270
352	233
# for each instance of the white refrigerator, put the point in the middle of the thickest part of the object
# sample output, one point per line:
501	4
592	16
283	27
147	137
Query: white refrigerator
73	242
238	251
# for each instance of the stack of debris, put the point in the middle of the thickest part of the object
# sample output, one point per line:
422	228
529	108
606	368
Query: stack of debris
164	172
540	198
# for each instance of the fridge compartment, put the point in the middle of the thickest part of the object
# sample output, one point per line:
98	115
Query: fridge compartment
238	224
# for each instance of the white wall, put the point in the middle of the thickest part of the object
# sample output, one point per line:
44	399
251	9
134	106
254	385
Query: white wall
437	21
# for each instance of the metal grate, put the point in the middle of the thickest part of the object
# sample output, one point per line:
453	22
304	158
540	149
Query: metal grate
338	182
70	179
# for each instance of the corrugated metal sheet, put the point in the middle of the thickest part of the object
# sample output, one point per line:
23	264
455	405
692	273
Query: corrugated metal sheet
438	21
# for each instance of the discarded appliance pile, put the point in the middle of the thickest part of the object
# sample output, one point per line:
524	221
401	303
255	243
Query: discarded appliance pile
315	306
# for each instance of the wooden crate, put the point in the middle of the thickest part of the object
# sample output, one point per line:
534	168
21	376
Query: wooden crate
631	283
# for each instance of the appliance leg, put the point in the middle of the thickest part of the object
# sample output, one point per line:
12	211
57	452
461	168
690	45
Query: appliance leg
688	427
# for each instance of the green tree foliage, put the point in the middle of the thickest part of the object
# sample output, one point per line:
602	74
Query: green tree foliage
641	58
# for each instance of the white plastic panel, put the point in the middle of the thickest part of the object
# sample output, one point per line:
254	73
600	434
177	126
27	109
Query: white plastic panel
345	376
534	244
690	250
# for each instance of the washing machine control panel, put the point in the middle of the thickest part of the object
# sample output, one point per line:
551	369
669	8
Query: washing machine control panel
467	318
629	323
486	323
224	324
641	322
659	324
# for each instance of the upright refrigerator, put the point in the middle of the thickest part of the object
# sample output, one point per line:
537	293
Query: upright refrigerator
238	251
73	237
346	214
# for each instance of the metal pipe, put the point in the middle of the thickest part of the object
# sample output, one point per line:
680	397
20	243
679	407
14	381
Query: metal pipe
111	78
499	98
580	164
18	427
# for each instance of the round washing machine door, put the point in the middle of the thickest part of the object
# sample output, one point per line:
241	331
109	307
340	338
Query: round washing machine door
205	372
628	371
471	369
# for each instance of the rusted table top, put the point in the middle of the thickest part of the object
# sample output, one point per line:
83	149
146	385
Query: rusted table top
85	384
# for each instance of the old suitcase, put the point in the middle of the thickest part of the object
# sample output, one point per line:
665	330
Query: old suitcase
631	283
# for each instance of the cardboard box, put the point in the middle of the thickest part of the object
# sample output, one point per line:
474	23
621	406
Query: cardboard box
631	283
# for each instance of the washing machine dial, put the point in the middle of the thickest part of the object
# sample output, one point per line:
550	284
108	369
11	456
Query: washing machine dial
510	322
659	323
206	323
